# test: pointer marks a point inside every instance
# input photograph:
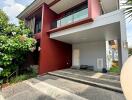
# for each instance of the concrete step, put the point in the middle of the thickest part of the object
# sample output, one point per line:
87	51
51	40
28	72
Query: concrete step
23	91
35	89
49	87
110	85
104	76
54	92
82	90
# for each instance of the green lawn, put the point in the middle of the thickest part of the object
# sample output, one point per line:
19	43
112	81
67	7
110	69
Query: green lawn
26	75
115	70
21	78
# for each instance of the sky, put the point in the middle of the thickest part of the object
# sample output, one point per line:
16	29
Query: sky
14	7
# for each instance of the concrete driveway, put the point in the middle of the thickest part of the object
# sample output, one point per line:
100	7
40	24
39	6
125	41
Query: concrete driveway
50	87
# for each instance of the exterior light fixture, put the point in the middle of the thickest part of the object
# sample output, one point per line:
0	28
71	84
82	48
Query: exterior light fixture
125	44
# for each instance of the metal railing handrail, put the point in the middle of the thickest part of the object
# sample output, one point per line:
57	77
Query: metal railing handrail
15	72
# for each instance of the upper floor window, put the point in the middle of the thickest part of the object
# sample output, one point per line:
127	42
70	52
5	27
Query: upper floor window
38	25
76	9
75	14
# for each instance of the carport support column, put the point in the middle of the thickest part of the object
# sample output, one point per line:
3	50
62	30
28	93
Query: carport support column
122	42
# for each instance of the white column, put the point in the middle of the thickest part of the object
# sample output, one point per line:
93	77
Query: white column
108	56
123	40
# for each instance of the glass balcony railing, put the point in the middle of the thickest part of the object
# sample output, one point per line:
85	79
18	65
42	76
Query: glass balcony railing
71	18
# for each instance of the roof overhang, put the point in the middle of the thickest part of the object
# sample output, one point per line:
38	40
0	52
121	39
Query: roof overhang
58	6
35	5
64	5
109	5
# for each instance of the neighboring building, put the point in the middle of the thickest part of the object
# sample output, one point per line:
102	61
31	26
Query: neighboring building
111	53
74	32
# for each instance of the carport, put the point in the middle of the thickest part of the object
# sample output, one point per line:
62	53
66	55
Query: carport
89	40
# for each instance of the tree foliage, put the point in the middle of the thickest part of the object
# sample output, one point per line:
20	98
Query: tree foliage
128	10
14	44
3	21
130	51
13	51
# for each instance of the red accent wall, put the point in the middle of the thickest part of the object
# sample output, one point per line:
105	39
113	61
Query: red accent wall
94	8
37	36
54	54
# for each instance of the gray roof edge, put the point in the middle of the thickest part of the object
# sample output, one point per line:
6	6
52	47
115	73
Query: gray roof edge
20	15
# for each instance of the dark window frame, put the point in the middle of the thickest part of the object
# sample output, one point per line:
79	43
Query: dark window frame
38	21
76	9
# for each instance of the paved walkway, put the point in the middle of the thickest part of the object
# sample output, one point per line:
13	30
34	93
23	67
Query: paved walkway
54	88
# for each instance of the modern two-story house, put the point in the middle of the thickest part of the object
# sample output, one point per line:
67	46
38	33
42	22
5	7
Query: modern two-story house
73	33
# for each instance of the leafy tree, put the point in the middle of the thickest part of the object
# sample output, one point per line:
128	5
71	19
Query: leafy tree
3	21
128	10
13	51
14	44
130	51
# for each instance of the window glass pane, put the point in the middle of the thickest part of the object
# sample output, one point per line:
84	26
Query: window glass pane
67	20
81	15
76	9
58	23
38	26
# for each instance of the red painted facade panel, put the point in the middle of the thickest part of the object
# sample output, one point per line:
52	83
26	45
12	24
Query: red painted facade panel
54	54
94	8
37	36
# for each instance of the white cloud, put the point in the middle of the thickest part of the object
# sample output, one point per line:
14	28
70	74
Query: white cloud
12	8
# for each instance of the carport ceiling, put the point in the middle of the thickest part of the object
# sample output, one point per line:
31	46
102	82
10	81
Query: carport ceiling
103	33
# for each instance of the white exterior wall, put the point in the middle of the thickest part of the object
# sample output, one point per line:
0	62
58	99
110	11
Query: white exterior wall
90	51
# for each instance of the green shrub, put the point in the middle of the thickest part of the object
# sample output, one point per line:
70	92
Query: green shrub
13	51
15	44
130	51
115	69
28	74
19	78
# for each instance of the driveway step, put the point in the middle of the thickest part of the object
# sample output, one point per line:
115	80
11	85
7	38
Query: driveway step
83	90
110	85
49	87
105	76
23	91
55	92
